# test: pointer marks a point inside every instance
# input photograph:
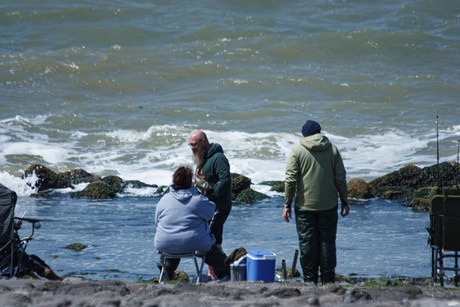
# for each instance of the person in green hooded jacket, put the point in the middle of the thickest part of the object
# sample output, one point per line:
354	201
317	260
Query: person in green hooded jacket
213	180
315	179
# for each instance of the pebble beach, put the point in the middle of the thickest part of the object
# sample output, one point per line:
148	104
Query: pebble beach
74	291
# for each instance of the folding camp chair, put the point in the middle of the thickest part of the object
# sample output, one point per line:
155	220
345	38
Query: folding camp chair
444	233
12	248
195	256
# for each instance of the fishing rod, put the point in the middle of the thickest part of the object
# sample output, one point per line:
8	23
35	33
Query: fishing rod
458	158
440	187
437	152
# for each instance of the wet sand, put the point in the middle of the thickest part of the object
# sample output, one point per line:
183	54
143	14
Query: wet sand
73	291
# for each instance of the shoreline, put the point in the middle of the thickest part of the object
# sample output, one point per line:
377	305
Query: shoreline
75	291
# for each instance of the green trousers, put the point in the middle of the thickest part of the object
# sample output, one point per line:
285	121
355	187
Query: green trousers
317	233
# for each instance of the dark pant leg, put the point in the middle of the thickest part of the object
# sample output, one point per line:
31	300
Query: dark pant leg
327	236
216	258
217	224
171	266
307	230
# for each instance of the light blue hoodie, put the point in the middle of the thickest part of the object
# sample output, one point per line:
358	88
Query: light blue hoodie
182	218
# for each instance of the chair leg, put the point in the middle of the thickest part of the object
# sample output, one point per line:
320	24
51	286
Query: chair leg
456	276
441	265
199	270
163	269
433	266
198	267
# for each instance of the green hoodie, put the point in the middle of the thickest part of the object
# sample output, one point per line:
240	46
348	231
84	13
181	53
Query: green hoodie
216	171
315	175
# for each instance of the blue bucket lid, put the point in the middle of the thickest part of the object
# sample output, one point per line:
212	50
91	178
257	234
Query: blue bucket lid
261	254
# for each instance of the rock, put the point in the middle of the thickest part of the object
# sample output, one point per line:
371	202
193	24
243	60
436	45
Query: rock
313	301
239	184
404	184
358	189
115	183
395	185
47	179
348	298
136	184
16	298
99	188
277	186
78	176
288	272
352	295
338	289
420	204
39	195
249	196
162	190
285	292
96	190
180	275
76	246
242	192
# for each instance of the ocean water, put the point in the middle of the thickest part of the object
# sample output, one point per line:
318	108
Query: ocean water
116	88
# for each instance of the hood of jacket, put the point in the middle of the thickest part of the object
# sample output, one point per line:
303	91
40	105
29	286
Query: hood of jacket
182	195
316	142
215	148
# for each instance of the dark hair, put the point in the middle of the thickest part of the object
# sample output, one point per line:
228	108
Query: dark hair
182	178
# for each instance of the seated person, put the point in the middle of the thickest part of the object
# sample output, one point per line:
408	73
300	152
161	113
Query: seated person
26	264
182	218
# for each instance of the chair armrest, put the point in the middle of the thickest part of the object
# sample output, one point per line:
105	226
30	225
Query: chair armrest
30	220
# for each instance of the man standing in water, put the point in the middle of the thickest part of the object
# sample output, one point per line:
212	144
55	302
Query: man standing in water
315	176
212	179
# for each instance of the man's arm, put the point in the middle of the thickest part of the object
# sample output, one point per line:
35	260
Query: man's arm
224	183
340	180
290	184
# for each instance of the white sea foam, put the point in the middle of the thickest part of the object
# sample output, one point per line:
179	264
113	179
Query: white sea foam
22	187
153	154
50	153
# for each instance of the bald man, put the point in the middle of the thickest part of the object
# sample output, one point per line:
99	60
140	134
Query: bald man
212	179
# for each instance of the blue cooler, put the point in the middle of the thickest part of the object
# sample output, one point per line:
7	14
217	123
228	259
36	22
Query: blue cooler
260	265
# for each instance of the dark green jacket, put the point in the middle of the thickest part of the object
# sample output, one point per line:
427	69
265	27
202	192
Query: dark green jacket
216	171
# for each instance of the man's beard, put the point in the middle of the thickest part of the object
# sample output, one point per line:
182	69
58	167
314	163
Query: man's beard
199	156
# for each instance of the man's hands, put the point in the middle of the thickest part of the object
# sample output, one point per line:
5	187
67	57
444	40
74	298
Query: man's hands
344	210
203	186
287	214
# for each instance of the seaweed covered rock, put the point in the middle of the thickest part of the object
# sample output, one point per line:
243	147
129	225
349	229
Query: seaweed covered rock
359	189
277	186
115	183
78	176
136	184
46	178
76	246
96	190
99	188
412	182
242	192
420	204
249	196
162	189
239	183
396	184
